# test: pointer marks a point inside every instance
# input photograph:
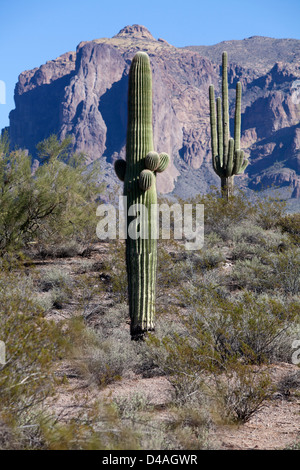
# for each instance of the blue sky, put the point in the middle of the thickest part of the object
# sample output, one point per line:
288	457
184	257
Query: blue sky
34	31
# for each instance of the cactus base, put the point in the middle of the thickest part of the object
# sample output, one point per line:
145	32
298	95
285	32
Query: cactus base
139	334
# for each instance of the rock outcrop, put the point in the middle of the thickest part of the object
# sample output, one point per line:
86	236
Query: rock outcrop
84	93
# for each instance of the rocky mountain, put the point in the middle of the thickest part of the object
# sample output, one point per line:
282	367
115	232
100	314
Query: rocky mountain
84	93
258	52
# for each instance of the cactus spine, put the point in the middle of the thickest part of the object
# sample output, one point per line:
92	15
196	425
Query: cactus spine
140	188
227	157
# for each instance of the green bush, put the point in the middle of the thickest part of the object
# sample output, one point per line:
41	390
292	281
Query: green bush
186	427
242	392
218	345
54	204
207	259
106	354
248	327
290	224
269	211
114	271
189	426
252	274
221	215
33	345
286	271
247	232
270	271
59	285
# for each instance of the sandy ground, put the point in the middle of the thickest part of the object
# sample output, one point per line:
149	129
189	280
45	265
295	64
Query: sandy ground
275	426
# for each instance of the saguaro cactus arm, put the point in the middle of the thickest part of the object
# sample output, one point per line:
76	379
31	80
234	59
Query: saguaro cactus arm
237	117
164	161
225	105
120	169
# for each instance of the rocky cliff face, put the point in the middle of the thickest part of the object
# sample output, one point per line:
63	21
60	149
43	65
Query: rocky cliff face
84	93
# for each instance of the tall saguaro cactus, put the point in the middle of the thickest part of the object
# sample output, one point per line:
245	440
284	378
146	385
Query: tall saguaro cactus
227	157
139	176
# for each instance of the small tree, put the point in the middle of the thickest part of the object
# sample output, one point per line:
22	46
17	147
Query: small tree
57	201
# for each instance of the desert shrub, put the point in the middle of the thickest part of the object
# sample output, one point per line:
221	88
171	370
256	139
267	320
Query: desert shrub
250	327
207	259
242	392
129	406
54	277
114	270
216	349
250	240
269	211
195	290
59	249
45	302
32	346
290	224
85	266
169	267
106	354
179	269
96	427
189	426
59	285
221	330
212	239
220	215
135	412
252	274
286	269
247	232
274	241
56	203
275	270
113	318
173	355
60	297
186	428
244	250
289	382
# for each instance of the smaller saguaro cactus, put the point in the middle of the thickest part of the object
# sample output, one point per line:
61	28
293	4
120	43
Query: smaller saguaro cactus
227	157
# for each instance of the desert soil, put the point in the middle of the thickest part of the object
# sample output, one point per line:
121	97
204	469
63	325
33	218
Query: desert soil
275	426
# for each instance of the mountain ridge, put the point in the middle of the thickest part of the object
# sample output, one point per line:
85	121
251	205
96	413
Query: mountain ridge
259	51
84	93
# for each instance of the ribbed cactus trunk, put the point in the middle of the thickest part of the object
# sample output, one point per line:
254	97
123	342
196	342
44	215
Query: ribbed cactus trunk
227	187
139	176
227	158
141	254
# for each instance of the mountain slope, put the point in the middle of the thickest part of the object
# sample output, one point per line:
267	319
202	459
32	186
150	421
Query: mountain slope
84	93
257	52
